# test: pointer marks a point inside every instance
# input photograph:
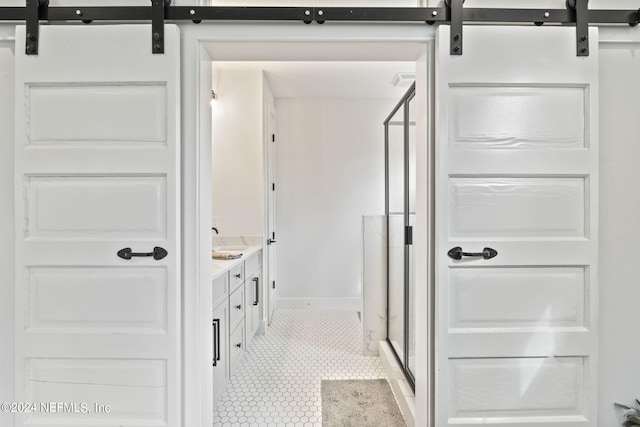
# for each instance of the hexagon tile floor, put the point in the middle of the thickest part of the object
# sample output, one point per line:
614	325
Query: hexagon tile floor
278	381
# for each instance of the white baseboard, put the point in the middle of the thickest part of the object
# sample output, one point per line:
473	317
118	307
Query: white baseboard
321	303
401	389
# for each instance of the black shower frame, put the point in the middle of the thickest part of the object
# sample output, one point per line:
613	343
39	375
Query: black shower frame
408	228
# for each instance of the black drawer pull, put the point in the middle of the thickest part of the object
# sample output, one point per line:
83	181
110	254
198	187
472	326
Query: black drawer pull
257	298
239	306
216	342
239	275
157	254
487	253
239	345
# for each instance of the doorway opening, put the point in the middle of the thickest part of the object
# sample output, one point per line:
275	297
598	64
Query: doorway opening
309	53
327	164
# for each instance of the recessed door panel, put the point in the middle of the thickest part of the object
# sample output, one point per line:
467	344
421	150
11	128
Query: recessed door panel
518	390
134	390
97	207
518	298
98	299
98	114
528	207
493	117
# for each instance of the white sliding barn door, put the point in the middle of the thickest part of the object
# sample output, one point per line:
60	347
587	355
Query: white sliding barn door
97	170
517	160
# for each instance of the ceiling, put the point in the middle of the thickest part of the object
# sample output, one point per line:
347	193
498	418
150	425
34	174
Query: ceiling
344	79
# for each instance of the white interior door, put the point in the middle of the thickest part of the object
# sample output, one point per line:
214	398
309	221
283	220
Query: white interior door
271	212
97	170
517	171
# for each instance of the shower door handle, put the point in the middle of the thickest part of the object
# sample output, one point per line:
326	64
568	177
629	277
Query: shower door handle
457	253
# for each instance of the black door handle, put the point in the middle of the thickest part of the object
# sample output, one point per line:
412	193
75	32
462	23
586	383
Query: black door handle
270	241
157	254
487	253
257	298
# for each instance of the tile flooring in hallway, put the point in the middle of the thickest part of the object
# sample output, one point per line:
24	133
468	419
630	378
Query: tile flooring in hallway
278	381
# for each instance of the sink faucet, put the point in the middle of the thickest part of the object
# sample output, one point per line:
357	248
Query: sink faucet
215	229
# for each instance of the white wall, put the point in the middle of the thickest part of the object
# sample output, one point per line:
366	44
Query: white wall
619	374
6	227
330	171
238	164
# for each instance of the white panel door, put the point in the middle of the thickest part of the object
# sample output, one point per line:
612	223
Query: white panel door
96	171
271	213
517	171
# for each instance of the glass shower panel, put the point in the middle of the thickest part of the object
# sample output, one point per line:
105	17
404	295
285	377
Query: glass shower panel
410	217
395	226
400	143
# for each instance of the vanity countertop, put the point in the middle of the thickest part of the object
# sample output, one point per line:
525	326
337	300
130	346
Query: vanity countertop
221	266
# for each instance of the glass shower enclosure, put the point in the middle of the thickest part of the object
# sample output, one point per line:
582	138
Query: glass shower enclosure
400	178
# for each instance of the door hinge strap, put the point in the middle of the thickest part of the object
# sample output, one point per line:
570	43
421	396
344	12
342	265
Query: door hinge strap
35	11
456	14
158	12
581	11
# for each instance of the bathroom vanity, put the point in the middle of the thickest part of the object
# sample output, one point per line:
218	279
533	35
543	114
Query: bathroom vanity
237	311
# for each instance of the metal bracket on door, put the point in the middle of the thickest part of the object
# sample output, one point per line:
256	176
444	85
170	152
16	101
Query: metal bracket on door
634	21
158	11
455	14
35	10
581	10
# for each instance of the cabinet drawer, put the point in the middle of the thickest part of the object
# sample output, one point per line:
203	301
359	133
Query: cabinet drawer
220	353
236	346
253	263
220	289
236	276
236	307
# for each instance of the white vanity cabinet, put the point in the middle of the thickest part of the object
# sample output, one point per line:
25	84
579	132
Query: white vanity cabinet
237	316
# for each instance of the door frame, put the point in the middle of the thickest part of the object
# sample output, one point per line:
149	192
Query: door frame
269	252
197	44
7	239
